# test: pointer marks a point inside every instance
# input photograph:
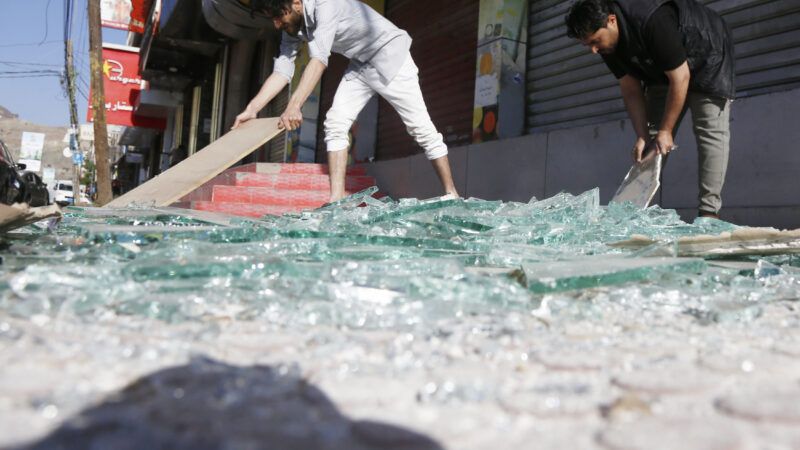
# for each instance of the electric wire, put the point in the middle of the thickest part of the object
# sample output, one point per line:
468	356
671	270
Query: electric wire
24	63
46	22
30	44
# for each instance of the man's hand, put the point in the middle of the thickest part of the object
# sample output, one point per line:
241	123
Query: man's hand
662	143
638	149
246	115
291	118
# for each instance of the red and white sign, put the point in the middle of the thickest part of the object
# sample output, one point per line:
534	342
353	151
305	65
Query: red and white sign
129	15
123	86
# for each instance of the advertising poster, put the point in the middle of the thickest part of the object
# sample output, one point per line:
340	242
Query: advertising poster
129	15
499	77
30	152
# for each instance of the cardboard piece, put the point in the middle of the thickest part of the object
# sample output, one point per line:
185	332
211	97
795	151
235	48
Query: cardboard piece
20	214
641	183
191	173
742	241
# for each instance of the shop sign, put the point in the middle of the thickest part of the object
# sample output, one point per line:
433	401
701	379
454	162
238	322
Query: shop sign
123	85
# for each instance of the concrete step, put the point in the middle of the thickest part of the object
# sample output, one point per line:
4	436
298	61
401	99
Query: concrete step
305	168
244	209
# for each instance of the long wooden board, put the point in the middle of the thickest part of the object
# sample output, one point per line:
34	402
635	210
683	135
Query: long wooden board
204	165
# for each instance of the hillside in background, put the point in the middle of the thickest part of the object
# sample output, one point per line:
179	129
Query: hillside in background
11	129
6	114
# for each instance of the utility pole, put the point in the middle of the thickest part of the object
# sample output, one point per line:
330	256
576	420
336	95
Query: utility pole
99	105
74	132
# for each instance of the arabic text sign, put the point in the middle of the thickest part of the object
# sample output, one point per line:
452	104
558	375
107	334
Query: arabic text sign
123	85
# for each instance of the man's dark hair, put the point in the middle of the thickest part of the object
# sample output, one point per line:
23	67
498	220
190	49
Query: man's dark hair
585	17
272	8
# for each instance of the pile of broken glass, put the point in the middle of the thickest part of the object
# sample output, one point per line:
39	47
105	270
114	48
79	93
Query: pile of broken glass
379	263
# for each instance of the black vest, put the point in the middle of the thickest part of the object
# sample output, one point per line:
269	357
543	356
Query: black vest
706	38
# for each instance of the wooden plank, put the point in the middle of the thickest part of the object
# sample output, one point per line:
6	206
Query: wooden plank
20	214
204	165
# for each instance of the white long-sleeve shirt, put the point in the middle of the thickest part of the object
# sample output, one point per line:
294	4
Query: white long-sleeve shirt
350	28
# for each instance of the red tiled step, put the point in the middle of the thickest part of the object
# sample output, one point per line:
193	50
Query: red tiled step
297	181
306	168
245	209
205	191
275	181
271	196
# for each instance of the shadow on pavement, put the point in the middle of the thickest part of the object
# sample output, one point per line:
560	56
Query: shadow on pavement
210	405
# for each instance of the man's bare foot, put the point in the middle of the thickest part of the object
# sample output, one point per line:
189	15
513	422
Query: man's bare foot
450	196
336	197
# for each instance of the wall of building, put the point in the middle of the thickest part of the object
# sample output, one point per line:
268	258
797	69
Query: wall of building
762	187
445	34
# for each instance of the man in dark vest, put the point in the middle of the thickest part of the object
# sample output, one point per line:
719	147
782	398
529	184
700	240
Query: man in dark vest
669	56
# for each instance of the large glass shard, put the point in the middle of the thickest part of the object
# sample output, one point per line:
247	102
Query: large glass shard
498	310
598	271
351	201
641	183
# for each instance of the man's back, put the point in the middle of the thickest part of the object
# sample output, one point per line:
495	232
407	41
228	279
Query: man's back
350	28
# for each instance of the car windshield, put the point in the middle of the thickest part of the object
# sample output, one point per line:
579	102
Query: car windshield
64	187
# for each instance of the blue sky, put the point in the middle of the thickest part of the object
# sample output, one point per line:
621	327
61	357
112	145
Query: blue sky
32	39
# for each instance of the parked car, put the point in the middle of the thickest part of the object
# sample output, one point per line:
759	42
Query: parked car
35	190
62	192
18	185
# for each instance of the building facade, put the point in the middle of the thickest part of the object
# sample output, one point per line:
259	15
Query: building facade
526	111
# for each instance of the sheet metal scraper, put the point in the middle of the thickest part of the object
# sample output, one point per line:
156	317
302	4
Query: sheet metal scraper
641	183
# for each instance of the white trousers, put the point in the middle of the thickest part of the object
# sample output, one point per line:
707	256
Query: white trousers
403	93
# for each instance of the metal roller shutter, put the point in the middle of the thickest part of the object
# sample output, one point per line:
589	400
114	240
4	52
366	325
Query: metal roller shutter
568	86
767	38
445	34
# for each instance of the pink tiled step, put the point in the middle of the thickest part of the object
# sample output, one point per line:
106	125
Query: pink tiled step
245	209
269	196
298	181
306	168
257	189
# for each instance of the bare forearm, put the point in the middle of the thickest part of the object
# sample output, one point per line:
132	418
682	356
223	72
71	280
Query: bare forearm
633	97
273	85
311	76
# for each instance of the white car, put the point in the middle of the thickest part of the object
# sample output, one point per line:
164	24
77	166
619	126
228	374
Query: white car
62	193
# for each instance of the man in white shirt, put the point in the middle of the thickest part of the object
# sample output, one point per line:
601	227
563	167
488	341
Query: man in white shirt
380	62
